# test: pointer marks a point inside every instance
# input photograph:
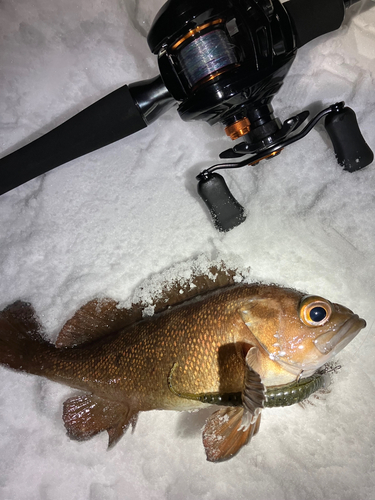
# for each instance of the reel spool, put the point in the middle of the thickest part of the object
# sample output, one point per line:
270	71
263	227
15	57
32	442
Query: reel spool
204	53
226	62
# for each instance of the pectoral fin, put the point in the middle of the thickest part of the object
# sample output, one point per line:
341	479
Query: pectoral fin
254	392
229	429
86	415
224	434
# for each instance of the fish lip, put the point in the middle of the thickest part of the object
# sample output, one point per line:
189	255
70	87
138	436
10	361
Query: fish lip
327	346
345	334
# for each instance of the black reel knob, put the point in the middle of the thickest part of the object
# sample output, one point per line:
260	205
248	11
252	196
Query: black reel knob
225	210
351	149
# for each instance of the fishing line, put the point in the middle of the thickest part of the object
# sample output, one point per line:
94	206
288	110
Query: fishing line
206	55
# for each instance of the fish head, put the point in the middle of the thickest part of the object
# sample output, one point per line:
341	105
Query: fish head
300	332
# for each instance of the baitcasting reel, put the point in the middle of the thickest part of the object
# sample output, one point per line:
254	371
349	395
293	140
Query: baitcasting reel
221	61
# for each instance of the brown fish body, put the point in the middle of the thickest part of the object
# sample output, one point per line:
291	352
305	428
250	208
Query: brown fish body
239	339
203	339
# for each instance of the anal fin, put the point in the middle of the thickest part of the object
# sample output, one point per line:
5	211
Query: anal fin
224	434
86	415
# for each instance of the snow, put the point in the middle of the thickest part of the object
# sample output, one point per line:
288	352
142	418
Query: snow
105	223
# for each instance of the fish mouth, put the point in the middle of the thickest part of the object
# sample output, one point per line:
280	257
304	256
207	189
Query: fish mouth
333	341
328	344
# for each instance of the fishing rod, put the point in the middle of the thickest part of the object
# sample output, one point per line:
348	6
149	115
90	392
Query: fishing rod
220	61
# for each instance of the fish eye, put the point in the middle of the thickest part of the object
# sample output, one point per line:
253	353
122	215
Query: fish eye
315	311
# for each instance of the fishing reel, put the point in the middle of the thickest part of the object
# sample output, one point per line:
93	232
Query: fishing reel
220	61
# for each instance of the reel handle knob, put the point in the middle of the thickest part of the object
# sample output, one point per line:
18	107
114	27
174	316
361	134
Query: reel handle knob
225	210
352	151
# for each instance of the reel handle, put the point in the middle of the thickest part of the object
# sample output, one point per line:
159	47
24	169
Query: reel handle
117	115
225	210
352	151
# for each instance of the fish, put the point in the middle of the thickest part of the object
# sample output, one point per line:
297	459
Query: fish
216	342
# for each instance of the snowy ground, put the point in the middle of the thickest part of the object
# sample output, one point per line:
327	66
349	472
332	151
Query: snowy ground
106	222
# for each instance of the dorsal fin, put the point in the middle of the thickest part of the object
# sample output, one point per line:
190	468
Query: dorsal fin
178	291
100	317
94	320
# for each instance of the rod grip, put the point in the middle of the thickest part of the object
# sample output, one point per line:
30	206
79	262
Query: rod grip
107	120
225	210
352	151
313	18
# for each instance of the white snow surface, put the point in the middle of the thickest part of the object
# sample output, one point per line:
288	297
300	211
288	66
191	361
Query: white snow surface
104	224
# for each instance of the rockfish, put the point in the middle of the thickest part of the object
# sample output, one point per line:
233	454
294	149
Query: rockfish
242	340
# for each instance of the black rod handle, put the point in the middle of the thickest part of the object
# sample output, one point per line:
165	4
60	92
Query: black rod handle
107	120
351	149
313	18
113	117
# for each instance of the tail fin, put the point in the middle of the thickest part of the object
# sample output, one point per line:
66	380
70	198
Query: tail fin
21	345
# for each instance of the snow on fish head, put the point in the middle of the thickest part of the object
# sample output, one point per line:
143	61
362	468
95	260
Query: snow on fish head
297	334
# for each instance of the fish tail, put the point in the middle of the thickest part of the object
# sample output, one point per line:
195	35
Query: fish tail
21	345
